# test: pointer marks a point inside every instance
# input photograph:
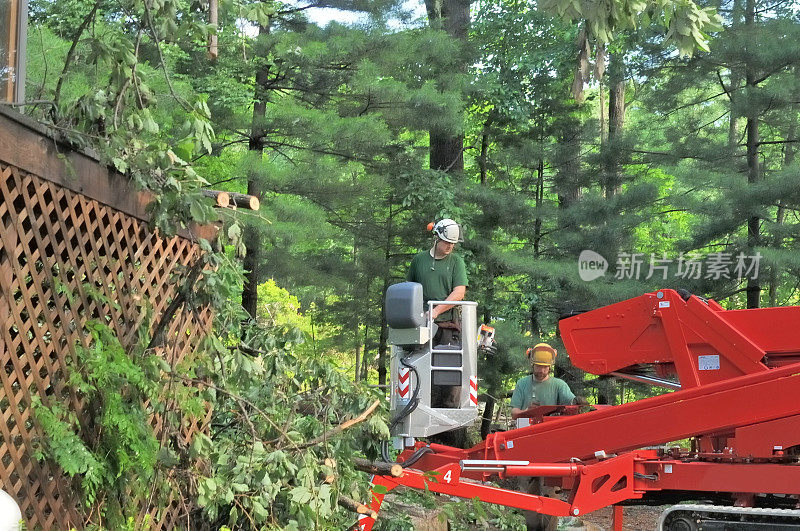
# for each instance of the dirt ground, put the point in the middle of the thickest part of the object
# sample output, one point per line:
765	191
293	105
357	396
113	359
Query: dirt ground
636	518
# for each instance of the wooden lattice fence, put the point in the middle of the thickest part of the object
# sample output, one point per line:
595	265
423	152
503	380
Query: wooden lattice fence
70	230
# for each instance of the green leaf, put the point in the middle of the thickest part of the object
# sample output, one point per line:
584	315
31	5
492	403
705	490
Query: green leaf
167	457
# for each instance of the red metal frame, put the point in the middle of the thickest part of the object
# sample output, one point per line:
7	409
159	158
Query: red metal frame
740	409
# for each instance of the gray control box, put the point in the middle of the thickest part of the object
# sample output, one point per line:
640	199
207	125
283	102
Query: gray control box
404	307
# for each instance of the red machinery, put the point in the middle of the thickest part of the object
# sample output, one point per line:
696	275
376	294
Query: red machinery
737	400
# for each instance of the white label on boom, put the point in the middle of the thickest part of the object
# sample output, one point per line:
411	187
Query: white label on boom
708	363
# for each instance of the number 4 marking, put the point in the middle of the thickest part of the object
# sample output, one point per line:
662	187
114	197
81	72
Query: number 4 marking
449	476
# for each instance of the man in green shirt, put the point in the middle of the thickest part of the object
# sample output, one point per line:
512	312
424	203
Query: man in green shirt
442	273
444	278
541	388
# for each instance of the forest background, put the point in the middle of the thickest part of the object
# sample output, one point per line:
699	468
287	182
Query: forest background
661	136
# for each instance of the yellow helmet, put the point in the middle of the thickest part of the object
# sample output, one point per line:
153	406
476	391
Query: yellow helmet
542	354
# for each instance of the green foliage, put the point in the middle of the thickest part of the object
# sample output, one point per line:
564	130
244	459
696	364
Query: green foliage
688	24
281	309
471	513
272	411
113	451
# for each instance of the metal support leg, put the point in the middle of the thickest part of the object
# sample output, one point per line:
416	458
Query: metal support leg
616	517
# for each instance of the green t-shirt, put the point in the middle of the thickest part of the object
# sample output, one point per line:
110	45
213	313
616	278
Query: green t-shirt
438	277
551	392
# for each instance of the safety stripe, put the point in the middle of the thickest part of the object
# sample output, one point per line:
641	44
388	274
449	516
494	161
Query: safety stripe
473	390
404	383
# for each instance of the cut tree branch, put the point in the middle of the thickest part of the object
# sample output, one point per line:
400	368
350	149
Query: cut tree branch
343	426
357	507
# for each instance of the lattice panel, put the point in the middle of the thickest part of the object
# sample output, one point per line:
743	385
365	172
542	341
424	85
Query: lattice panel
61	255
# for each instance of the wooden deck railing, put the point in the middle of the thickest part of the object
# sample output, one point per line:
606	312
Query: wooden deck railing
69	226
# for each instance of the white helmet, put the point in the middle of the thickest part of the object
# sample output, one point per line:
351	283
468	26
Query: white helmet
448	230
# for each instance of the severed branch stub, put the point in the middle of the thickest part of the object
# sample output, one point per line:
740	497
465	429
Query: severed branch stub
381	468
330	463
356	507
221	199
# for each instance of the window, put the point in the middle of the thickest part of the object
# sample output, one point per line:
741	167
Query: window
13	29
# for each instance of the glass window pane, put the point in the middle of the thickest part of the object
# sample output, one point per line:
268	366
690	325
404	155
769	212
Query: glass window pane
8	37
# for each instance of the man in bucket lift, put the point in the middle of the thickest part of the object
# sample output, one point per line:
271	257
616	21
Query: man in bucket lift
443	276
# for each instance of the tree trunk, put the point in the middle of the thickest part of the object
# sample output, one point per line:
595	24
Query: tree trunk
357	371
788	160
446	149
383	346
488	415
605	391
616	121
536	329
488	410
753	170
603	131
213	17
253	261
537	223
736	78
569	163
483	159
365	357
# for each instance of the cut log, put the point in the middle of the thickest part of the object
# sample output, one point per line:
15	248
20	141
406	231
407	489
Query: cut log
245	201
378	467
222	199
356	507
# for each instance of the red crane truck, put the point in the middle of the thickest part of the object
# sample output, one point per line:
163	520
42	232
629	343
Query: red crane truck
734	377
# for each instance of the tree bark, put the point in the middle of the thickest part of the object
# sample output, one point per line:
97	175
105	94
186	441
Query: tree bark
383	346
250	202
488	415
383	341
569	163
357	370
